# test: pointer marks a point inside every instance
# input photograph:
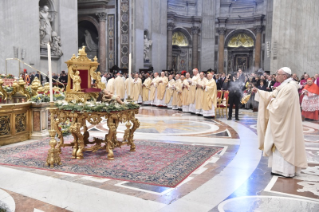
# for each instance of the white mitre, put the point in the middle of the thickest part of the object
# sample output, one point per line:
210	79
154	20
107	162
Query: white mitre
287	70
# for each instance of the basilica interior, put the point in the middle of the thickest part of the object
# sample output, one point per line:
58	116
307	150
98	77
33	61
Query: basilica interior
74	136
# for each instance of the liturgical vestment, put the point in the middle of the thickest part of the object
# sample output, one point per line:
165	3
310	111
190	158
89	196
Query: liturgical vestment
128	88
177	95
161	87
110	85
209	101
185	93
153	88
191	94
279	128
169	93
146	90
137	88
199	95
119	87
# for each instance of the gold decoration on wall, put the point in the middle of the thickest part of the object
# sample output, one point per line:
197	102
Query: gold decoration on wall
179	39
20	122
241	40
4	125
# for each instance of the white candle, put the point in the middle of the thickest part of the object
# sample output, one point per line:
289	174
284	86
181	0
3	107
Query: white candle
129	74
50	72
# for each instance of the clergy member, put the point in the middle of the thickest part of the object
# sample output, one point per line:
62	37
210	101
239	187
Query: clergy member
185	93
169	92
162	83
137	89
128	87
200	93
192	91
146	89
279	127
209	101
110	85
177	87
310	100
119	86
153	91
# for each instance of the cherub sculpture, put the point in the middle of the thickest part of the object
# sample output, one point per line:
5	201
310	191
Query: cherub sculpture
127	131
76	80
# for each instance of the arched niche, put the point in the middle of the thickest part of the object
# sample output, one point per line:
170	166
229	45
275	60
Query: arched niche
240	32
184	35
88	36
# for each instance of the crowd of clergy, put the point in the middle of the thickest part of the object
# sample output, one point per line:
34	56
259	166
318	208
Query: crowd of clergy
196	94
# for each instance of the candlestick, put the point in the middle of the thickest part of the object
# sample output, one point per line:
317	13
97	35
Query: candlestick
50	72
130	78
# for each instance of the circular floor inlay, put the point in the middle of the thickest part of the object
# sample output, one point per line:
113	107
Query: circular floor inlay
267	203
6	201
171	127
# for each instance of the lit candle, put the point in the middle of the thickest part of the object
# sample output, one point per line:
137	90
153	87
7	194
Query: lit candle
50	72
129	74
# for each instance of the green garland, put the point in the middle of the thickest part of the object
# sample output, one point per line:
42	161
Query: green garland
45	98
7	89
97	107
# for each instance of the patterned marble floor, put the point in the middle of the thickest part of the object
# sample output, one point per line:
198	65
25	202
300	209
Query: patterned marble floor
236	179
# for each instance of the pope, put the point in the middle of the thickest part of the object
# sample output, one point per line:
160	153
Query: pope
279	126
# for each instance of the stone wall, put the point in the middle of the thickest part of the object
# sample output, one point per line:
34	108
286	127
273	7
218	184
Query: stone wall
66	26
295	36
208	35
158	17
19	22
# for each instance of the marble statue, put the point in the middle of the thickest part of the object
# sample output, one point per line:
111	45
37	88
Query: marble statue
56	45
89	41
45	26
147	45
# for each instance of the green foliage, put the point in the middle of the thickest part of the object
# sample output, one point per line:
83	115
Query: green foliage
40	98
7	89
96	107
29	90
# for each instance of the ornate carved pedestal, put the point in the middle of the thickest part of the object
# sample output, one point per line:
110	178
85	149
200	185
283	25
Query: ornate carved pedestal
39	120
80	142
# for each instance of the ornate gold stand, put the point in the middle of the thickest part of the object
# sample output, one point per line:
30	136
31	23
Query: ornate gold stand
81	141
53	153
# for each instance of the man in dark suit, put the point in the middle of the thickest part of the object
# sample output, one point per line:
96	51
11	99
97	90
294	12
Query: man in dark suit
39	76
31	77
235	93
269	84
63	78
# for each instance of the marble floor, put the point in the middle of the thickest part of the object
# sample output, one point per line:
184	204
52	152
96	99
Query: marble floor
235	179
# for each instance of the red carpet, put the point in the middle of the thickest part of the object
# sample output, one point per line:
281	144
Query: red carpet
156	163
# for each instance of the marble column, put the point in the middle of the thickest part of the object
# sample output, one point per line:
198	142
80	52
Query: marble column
221	32
195	31
170	27
258	47
102	41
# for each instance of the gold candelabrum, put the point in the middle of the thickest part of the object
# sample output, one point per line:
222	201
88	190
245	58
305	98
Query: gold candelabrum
53	154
